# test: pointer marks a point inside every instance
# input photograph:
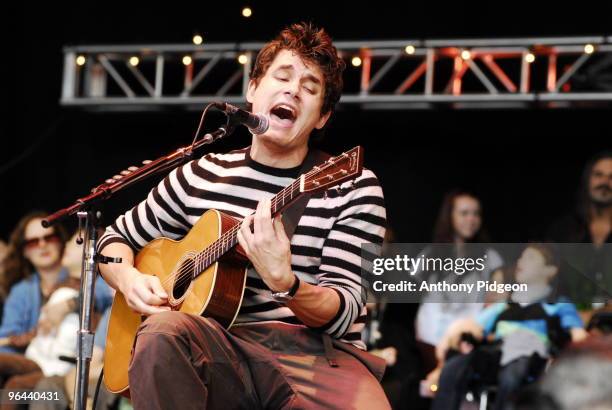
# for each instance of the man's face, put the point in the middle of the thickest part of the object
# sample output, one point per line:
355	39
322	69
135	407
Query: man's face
291	94
600	183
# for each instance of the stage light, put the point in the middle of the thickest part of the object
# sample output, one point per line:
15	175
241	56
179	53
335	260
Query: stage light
529	57
410	49
247	12
433	388
242	59
356	61
80	60
589	48
187	60
197	39
466	55
134	61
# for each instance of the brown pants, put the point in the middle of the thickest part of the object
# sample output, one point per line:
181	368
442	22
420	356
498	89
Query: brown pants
189	362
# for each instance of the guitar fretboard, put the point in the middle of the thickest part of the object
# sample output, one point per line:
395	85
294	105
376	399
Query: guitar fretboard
333	171
229	239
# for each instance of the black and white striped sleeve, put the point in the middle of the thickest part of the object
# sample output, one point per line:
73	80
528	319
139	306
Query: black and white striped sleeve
362	219
162	213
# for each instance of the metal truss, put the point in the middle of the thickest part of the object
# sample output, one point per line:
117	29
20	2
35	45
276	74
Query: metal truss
522	72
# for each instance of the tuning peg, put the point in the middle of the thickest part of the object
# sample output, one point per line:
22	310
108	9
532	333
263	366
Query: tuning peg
132	169
109	181
125	172
117	177
147	161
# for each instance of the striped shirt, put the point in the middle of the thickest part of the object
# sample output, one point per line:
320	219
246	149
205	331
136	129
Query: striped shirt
325	246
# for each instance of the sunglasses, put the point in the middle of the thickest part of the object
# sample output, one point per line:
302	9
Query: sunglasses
36	242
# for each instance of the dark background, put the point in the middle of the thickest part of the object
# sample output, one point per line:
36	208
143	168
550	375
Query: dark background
525	164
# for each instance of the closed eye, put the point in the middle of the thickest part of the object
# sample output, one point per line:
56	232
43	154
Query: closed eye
311	88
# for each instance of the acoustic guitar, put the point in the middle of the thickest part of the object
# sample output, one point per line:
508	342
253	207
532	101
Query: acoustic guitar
205	272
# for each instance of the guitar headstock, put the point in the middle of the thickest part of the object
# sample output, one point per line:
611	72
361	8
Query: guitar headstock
334	171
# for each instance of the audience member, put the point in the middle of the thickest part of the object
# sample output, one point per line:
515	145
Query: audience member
459	223
529	327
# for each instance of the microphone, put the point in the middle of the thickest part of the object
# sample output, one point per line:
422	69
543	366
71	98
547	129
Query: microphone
256	123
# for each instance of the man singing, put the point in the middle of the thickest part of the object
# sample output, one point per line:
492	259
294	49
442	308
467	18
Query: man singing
303	303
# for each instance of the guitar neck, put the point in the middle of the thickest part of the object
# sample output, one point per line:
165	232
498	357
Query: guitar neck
334	171
229	239
286	197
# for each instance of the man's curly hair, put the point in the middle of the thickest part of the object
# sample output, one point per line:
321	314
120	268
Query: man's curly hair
313	45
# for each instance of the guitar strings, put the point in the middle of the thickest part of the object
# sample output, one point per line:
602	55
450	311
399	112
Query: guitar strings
218	246
195	264
229	238
209	255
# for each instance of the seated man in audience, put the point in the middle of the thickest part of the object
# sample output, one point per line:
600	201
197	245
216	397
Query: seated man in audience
530	326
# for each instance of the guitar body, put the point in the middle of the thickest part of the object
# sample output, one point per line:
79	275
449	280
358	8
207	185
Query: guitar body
215	292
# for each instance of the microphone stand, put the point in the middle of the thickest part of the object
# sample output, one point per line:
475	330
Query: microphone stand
89	218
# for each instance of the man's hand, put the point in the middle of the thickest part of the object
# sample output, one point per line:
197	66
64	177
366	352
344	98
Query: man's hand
267	247
144	293
269	250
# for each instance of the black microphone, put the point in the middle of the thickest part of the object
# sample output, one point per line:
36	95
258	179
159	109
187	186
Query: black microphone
256	123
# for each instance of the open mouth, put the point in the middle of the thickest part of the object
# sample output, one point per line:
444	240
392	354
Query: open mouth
284	113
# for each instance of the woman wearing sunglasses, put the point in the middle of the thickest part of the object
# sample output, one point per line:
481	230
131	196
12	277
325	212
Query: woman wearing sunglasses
41	299
33	270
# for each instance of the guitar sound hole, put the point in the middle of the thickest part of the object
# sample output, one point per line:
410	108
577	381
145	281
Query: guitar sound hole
183	279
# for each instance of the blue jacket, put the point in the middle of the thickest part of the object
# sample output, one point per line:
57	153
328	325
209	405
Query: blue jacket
23	304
